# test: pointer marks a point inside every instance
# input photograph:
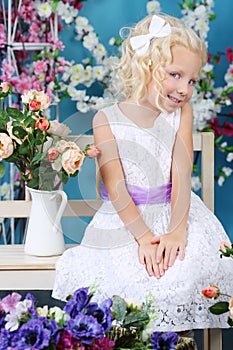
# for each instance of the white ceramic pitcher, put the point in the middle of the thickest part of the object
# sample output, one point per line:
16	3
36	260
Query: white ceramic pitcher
44	236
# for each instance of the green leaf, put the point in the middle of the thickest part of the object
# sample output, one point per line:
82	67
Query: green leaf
2	169
195	168
230	321
136	319
34	183
15	113
118	308
212	17
24	148
219	139
37	158
19	132
4	116
29	122
64	177
219	308
229	90
54	5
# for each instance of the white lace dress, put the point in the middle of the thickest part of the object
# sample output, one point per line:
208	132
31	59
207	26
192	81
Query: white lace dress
108	254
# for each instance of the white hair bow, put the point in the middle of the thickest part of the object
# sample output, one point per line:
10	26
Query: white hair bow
157	29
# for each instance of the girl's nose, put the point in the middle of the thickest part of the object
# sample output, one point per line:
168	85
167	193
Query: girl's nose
182	88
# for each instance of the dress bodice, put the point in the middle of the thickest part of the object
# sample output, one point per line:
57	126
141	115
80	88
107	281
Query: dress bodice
145	153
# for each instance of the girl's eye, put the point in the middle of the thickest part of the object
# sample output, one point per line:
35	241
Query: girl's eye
175	75
192	82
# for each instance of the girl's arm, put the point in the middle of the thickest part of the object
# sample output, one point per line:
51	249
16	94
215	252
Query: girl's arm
114	181
182	161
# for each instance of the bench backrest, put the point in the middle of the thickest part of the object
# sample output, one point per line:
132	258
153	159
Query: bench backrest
203	142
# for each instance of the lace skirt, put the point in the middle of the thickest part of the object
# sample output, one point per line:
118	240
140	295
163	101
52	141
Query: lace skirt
108	258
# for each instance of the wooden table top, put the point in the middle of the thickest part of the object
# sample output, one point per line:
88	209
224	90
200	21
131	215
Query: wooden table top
12	257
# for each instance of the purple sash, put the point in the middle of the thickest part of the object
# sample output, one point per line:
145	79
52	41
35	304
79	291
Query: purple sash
140	195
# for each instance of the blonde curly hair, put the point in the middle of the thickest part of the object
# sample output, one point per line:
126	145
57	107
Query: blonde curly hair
134	72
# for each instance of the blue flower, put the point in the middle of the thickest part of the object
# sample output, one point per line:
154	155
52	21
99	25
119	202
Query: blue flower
2	320
102	313
31	335
78	302
85	328
55	331
5	339
164	341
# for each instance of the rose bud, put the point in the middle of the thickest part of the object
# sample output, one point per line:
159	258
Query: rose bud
34	105
211	292
42	124
52	154
92	152
224	245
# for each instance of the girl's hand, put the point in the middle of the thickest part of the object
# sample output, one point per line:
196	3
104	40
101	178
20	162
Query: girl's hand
147	256
168	246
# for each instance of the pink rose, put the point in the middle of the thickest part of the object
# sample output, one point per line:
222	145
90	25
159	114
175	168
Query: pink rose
211	292
42	124
34	105
92	152
39	96
52	154
6	146
72	160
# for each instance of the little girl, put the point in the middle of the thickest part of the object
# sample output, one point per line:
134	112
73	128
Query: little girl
151	234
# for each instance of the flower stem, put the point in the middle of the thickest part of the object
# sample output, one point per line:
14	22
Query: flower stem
225	295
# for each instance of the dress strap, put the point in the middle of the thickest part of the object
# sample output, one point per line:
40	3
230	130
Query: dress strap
140	195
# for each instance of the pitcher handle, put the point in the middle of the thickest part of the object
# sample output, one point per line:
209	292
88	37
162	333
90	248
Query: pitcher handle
61	208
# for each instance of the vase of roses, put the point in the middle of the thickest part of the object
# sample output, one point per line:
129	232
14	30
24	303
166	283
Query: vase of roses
45	158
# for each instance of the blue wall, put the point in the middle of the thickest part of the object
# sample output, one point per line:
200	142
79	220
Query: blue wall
107	17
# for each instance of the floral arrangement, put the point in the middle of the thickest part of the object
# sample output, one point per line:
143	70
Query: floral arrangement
37	146
82	324
213	292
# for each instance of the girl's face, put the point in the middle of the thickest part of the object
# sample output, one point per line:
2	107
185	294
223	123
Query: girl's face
181	76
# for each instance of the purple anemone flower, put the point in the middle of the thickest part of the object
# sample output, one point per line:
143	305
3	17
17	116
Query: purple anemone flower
164	341
31	335
5	339
85	328
2	320
55	332
75	305
102	313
